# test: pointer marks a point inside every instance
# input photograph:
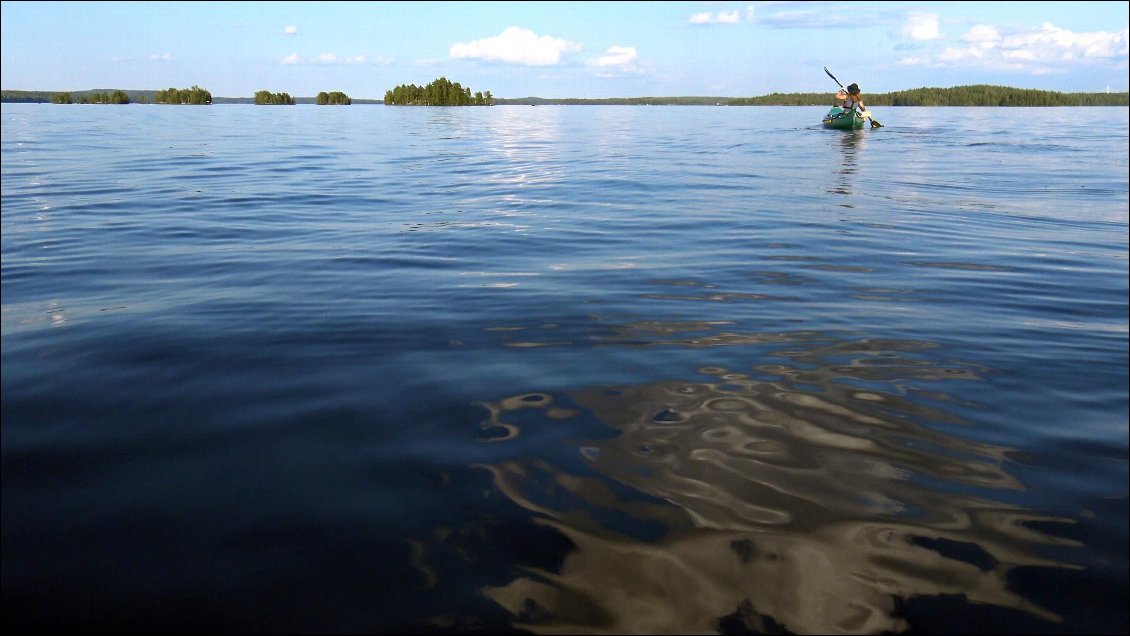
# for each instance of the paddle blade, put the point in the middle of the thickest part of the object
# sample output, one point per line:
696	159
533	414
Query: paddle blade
875	124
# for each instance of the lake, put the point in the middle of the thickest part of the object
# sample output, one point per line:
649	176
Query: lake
564	369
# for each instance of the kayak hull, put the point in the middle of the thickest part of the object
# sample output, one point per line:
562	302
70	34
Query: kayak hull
845	120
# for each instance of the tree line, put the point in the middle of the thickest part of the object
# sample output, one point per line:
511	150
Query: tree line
619	101
117	97
441	92
267	97
979	95
986	95
142	97
194	95
332	98
975	95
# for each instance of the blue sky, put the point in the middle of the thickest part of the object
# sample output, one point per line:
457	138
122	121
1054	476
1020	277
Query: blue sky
563	49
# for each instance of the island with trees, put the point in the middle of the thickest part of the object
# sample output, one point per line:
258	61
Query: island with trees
194	95
333	98
269	98
441	92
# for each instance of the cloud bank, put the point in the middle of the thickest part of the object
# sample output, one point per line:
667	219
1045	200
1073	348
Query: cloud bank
1041	50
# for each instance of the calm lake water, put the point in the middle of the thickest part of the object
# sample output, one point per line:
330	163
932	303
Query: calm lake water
564	369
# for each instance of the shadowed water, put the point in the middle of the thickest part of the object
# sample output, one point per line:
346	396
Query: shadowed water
564	370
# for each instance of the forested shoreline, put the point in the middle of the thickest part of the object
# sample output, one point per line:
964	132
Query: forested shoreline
975	95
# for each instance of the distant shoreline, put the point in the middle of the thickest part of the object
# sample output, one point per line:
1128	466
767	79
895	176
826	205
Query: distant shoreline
975	95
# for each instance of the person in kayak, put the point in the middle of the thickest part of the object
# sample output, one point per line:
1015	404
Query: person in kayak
850	99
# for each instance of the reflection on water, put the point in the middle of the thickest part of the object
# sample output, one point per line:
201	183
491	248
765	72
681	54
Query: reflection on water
852	143
814	497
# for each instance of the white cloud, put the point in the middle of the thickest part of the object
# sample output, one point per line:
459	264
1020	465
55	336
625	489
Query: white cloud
290	30
733	17
810	14
920	26
1036	51
915	61
722	17
981	33
161	57
616	56
516	46
331	58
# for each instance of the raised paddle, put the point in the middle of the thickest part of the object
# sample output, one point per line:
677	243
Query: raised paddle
874	124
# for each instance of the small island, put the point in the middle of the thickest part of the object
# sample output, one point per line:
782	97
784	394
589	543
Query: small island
194	95
269	98
334	98
439	93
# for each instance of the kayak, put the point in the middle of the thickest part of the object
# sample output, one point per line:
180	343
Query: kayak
846	120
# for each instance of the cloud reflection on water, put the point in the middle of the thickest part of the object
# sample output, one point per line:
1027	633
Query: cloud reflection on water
815	502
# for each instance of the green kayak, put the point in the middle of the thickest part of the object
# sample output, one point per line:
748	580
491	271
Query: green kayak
846	120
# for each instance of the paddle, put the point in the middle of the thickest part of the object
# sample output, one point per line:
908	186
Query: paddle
874	124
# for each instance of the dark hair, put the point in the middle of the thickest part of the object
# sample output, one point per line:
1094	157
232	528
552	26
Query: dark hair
853	88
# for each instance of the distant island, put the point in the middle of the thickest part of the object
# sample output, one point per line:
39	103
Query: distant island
441	92
335	98
975	95
194	95
269	98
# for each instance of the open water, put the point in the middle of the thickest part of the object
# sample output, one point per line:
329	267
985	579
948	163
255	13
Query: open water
564	369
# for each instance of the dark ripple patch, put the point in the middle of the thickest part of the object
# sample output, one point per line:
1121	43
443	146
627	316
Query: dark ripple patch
962	266
824	482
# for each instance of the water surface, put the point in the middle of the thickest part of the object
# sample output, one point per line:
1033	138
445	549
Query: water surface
564	369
